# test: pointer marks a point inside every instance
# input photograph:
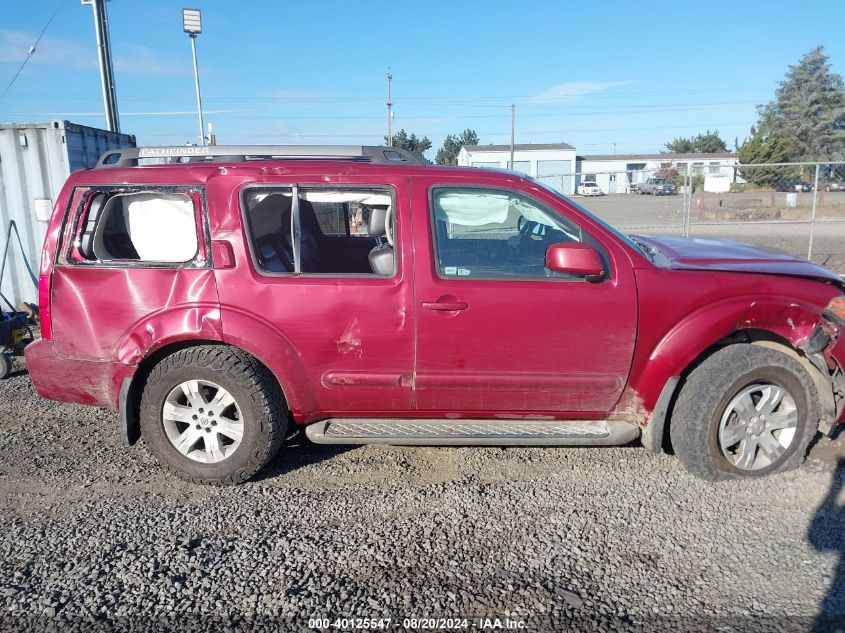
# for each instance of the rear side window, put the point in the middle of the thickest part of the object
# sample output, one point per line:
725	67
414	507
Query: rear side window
318	230
146	226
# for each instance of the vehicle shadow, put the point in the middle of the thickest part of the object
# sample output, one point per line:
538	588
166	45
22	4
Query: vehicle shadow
299	453
827	534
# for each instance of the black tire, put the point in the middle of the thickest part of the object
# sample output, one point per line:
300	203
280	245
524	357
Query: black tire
256	393
5	365
709	389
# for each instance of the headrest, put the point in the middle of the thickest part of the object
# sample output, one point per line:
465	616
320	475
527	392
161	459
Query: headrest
271	215
378	222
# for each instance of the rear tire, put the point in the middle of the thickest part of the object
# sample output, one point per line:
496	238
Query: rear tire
197	443
745	412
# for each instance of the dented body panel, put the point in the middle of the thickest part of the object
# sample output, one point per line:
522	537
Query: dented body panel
365	346
690	311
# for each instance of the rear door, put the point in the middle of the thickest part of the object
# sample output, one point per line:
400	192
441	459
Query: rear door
307	272
497	333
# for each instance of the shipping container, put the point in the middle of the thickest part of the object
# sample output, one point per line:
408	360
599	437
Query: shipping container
35	161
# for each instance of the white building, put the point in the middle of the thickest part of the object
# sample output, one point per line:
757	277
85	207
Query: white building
552	163
616	173
557	165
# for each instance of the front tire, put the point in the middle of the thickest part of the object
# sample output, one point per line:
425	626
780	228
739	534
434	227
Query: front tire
745	412
212	414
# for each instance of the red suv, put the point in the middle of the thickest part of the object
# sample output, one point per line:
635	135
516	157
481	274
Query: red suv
232	294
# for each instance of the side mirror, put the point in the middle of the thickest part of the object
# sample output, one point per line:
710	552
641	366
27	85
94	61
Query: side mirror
575	258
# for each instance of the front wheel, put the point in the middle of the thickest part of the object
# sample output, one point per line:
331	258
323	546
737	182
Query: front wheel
745	412
212	414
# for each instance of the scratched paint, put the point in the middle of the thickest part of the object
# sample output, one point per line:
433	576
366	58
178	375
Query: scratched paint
350	341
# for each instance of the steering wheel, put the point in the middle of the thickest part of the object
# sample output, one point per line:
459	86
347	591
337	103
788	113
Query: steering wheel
388	225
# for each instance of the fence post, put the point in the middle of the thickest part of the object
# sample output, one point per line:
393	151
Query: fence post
813	215
687	201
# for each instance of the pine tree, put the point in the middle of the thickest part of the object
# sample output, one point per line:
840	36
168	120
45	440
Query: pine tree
452	144
808	112
410	142
763	147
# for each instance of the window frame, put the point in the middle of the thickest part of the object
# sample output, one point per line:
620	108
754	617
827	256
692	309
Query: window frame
77	217
294	187
586	237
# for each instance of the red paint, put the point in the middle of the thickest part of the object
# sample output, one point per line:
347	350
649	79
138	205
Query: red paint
416	344
575	258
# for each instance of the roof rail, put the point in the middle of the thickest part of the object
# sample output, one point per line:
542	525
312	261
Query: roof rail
238	153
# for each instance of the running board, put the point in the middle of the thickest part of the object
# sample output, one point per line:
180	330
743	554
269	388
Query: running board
410	432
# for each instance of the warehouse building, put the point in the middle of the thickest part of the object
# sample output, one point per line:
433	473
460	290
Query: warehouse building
557	165
552	163
616	173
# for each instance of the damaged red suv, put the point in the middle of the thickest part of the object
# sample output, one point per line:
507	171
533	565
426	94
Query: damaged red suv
224	296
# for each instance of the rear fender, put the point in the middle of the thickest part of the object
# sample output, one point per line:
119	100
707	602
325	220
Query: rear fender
200	321
205	323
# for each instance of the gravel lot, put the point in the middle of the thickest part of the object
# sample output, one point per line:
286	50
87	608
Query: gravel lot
95	535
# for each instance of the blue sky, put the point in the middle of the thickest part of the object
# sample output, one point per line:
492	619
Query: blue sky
590	74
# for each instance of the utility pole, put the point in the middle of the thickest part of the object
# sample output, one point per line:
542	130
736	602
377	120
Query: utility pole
614	149
389	110
513	131
101	31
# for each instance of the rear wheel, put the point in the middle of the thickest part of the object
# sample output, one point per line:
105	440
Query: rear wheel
746	411
212	414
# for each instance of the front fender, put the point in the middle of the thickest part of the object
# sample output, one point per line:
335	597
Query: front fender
691	337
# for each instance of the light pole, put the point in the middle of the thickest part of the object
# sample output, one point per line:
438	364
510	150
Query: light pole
389	110
192	25
101	31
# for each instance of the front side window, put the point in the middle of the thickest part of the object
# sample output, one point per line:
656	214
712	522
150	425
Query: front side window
492	233
321	230
137	226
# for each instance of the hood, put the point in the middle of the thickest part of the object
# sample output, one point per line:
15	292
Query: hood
695	253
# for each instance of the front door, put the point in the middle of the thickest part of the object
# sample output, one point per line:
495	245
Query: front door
497	333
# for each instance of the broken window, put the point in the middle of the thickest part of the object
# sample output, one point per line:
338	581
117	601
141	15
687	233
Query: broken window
495	233
318	230
136	226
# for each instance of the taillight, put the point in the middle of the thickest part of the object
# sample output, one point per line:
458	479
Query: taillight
44	307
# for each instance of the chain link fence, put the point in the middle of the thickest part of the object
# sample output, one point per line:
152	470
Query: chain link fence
795	207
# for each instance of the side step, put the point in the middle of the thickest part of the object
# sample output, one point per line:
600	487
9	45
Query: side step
411	432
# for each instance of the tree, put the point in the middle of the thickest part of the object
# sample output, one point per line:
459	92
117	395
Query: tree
808	111
452	144
411	143
763	147
707	143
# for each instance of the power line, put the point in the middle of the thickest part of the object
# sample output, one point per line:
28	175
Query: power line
32	49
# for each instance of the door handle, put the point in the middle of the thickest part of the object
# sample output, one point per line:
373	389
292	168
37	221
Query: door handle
444	306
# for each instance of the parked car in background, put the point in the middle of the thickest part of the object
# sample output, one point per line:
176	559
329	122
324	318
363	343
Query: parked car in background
794	184
590	188
221	303
658	187
835	186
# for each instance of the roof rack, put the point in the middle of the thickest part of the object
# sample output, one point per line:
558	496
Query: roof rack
238	153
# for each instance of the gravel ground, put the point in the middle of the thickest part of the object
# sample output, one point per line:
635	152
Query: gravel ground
97	536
